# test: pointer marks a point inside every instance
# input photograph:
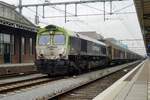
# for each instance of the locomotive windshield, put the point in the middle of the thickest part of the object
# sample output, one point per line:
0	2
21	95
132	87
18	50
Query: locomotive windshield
51	39
59	39
44	39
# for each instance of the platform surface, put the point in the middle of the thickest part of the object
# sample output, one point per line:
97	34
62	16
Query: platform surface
133	86
17	65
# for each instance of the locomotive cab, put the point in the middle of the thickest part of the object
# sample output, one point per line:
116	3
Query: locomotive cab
51	50
51	46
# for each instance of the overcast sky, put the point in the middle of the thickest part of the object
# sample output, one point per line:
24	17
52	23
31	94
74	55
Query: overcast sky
120	25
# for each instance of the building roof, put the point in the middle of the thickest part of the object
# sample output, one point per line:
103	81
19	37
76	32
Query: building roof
10	17
143	10
7	5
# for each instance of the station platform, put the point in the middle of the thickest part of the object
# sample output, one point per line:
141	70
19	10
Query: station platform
13	69
133	86
16	65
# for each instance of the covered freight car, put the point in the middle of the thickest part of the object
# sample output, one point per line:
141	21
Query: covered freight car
118	53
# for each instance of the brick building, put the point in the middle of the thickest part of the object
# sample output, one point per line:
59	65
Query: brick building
17	36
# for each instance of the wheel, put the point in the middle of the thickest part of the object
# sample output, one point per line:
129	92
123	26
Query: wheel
74	70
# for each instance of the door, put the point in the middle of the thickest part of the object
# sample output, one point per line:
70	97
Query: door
6	53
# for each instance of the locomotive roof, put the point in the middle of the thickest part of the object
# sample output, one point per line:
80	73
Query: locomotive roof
51	28
92	34
70	33
89	38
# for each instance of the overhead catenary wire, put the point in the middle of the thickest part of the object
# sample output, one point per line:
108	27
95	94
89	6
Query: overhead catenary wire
83	22
38	15
72	15
94	8
128	6
116	12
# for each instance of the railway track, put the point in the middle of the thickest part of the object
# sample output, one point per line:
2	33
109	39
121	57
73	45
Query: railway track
10	86
8	76
4	88
92	89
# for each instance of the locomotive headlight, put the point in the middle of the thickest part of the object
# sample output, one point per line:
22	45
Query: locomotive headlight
61	53
62	50
41	52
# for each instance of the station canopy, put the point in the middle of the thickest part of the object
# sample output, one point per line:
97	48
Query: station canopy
10	17
143	11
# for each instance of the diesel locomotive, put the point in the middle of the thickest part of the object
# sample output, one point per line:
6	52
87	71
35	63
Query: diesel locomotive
62	52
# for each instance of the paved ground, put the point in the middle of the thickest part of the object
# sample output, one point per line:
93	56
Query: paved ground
134	86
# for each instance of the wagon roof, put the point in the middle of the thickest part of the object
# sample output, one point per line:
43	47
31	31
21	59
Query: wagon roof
109	42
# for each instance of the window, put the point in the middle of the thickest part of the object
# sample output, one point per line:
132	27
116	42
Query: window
31	46
1	37
1	48
44	39
1	43
22	45
59	39
103	50
12	45
83	45
6	38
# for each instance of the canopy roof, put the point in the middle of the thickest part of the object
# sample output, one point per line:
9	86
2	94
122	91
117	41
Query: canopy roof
10	17
143	11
